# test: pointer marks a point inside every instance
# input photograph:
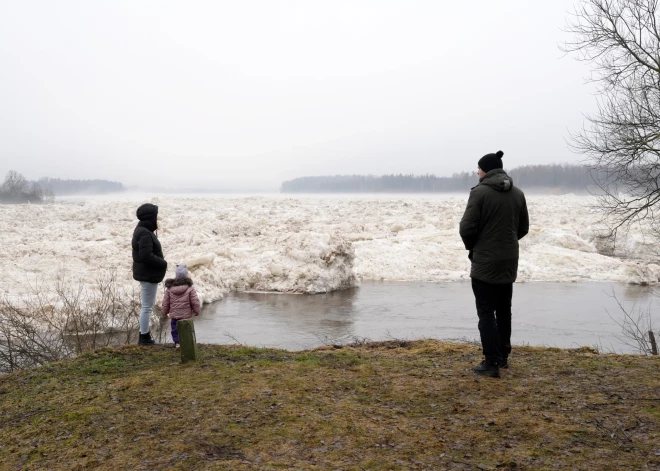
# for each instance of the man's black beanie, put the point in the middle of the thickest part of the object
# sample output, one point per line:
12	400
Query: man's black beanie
491	161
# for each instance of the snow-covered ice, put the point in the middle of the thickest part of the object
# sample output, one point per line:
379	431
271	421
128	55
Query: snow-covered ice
303	244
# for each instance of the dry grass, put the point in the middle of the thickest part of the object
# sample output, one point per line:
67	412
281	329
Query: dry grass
389	405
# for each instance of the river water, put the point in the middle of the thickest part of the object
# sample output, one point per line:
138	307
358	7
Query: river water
563	315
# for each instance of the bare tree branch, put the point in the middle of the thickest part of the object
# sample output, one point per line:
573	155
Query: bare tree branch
621	40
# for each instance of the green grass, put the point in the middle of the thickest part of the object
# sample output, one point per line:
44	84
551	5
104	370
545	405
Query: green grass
389	405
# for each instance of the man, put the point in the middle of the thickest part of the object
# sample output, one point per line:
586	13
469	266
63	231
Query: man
495	220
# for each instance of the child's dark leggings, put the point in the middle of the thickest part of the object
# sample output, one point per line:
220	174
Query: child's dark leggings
175	332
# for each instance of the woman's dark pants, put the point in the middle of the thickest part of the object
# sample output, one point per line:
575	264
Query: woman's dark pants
494	310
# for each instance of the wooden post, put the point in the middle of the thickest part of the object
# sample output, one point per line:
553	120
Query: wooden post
654	346
187	340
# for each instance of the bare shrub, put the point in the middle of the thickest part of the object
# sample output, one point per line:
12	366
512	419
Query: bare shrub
636	328
14	183
39	328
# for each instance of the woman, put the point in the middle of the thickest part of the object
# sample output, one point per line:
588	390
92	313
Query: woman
149	265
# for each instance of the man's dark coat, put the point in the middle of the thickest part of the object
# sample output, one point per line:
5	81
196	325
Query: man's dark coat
495	219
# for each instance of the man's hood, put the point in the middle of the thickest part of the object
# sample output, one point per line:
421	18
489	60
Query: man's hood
498	180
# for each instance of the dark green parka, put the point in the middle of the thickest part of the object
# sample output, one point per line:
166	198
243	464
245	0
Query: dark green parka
495	220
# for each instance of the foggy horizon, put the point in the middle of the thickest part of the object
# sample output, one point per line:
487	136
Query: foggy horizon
247	96
137	188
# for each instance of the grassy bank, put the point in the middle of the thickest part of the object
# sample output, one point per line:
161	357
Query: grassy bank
392	405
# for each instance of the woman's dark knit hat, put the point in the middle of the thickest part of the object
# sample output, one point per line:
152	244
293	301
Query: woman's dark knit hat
491	161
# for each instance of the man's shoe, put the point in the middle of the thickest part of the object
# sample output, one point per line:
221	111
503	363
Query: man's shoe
485	368
146	339
505	363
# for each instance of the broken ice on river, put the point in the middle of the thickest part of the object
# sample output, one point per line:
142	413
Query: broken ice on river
304	244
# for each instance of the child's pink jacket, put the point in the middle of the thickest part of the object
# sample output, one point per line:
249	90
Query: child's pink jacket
180	301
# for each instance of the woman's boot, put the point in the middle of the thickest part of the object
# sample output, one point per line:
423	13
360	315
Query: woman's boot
146	339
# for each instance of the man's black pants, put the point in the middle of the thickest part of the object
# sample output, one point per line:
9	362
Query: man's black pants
494	310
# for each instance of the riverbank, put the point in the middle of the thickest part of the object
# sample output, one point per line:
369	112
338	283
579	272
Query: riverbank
388	405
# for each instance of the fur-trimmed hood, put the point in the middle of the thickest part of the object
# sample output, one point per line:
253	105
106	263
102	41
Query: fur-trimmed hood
171	282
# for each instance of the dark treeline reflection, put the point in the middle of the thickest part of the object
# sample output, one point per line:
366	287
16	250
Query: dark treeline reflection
542	177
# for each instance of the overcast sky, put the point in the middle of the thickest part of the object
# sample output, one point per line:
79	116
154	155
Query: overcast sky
246	94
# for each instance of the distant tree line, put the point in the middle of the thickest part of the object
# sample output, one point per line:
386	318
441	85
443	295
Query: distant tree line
72	187
17	189
550	177
565	177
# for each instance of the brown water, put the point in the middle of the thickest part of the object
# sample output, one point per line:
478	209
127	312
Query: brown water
551	314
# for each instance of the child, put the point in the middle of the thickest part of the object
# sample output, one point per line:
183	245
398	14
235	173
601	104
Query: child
180	301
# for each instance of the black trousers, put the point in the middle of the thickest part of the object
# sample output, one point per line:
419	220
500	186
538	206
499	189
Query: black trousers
494	310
